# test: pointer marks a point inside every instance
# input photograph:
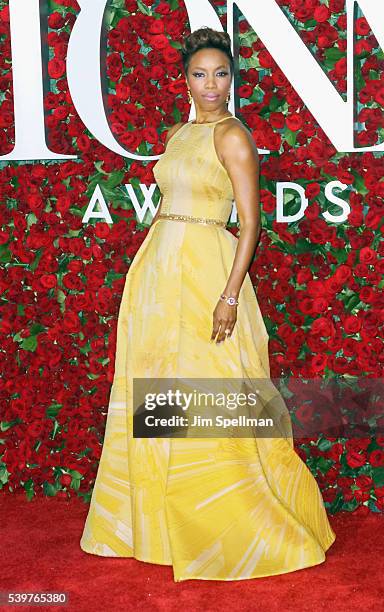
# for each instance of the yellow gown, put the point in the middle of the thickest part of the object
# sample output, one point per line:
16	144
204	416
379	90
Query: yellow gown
213	509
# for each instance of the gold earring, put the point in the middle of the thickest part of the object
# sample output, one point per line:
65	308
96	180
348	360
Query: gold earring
228	97
190	99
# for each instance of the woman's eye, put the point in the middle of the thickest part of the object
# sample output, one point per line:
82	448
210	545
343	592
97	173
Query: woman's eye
199	73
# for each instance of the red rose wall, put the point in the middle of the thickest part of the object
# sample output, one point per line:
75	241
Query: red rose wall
319	284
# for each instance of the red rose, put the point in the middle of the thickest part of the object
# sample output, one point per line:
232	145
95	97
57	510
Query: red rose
48	281
245	91
246	52
277	120
4	14
345	482
265	59
321	13
348	496
335	452
341	67
84	142
294	122
357	444
379	492
379	96
56	21
329	495
355	459
65	480
361	511
336	6
322	327
323	42
361	496
364	482
367	255
56	68
343	274
304	413
352	325
312	190
362	26
320	305
318	363
376	458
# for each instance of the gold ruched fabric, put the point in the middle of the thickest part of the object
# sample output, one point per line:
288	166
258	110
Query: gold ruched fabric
213	509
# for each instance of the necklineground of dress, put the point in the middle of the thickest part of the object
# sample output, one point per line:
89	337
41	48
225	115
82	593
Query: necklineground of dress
211	122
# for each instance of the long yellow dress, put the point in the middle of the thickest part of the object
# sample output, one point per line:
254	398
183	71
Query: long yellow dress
213	509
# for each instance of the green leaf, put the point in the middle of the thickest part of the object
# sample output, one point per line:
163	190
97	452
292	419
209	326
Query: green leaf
351	303
143	8
4	425
372	506
275	103
29	488
98	165
49	489
290	136
56	427
114	180
29	344
75	484
4	474
351	505
35	263
176	115
341	255
359	183
324	444
323	464
378	476
31	219
75	474
61	297
334	54
337	503
53	410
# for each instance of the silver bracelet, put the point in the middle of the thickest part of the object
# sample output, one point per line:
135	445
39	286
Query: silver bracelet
230	300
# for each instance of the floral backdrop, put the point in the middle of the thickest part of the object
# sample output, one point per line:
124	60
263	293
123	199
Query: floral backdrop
318	283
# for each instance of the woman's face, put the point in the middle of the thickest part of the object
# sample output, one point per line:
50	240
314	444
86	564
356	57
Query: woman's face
209	79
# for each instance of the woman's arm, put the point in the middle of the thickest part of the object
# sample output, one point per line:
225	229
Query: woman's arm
240	157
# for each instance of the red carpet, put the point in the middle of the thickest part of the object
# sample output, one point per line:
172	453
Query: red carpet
40	552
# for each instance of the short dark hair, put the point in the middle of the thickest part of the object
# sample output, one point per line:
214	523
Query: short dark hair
206	38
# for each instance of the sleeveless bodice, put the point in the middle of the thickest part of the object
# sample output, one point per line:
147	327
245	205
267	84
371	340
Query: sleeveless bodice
190	175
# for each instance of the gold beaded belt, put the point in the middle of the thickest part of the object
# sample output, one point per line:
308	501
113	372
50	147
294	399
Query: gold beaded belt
191	219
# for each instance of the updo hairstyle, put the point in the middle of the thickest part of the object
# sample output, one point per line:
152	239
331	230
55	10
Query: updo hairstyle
206	38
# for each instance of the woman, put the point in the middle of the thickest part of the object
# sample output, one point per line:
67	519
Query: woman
217	508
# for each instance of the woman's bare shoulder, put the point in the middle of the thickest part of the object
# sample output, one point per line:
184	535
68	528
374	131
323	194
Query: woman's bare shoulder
233	135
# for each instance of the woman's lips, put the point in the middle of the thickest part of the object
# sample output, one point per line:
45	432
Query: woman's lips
210	98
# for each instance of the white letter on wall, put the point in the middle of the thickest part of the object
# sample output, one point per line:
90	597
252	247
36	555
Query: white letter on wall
303	71
30	143
280	216
335	200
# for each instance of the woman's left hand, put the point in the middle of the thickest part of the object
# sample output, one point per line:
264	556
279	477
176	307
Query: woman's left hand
224	318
